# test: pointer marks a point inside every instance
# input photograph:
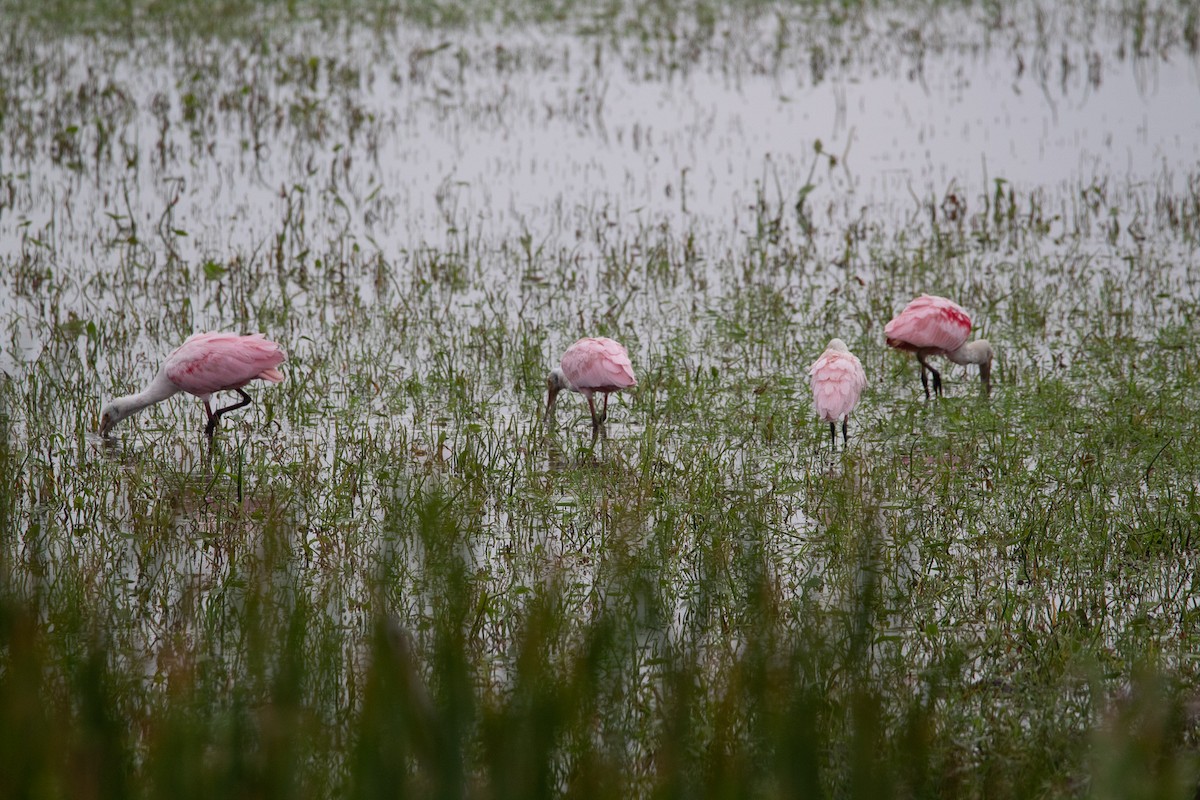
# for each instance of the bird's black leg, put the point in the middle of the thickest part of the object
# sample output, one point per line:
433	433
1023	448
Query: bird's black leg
212	421
846	431
937	378
215	419
604	413
595	419
833	435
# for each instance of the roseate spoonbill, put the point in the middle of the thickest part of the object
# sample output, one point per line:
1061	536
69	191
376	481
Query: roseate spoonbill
837	381
935	326
588	366
205	363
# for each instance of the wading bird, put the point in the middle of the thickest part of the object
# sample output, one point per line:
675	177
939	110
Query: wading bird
837	381
589	366
204	364
935	326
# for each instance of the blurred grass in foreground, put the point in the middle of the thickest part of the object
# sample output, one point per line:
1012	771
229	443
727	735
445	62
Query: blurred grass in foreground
783	713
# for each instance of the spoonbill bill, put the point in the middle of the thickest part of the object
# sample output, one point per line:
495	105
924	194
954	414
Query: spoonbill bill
837	382
204	364
591	365
935	326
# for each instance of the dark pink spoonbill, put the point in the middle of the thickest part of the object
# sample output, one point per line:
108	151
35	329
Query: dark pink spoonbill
590	366
204	364
935	326
837	382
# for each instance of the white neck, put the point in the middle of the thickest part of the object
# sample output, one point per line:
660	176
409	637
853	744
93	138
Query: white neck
976	352
159	389
561	380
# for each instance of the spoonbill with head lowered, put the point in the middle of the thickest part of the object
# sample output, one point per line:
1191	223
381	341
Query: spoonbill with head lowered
204	364
591	365
935	326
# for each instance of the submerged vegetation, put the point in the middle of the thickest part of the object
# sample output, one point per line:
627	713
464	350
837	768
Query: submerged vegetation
388	576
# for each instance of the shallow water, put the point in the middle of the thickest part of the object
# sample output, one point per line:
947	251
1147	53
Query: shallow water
490	136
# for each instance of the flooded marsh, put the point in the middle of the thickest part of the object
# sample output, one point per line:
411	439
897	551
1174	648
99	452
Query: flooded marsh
390	574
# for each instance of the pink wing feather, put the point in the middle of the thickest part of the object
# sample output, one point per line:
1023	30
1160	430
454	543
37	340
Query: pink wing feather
929	322
211	362
838	380
599	365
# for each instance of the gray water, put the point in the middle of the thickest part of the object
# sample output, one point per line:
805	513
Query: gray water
569	141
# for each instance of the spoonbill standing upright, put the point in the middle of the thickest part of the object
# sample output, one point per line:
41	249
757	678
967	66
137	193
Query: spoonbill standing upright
935	326
205	363
837	382
588	366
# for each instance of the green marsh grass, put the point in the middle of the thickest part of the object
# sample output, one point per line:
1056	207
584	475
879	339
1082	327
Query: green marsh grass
389	577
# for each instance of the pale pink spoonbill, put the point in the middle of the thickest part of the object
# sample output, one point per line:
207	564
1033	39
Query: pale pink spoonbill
837	382
204	364
591	365
935	326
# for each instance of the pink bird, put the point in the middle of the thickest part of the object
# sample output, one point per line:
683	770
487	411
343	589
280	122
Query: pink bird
204	364
589	366
837	382
935	326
